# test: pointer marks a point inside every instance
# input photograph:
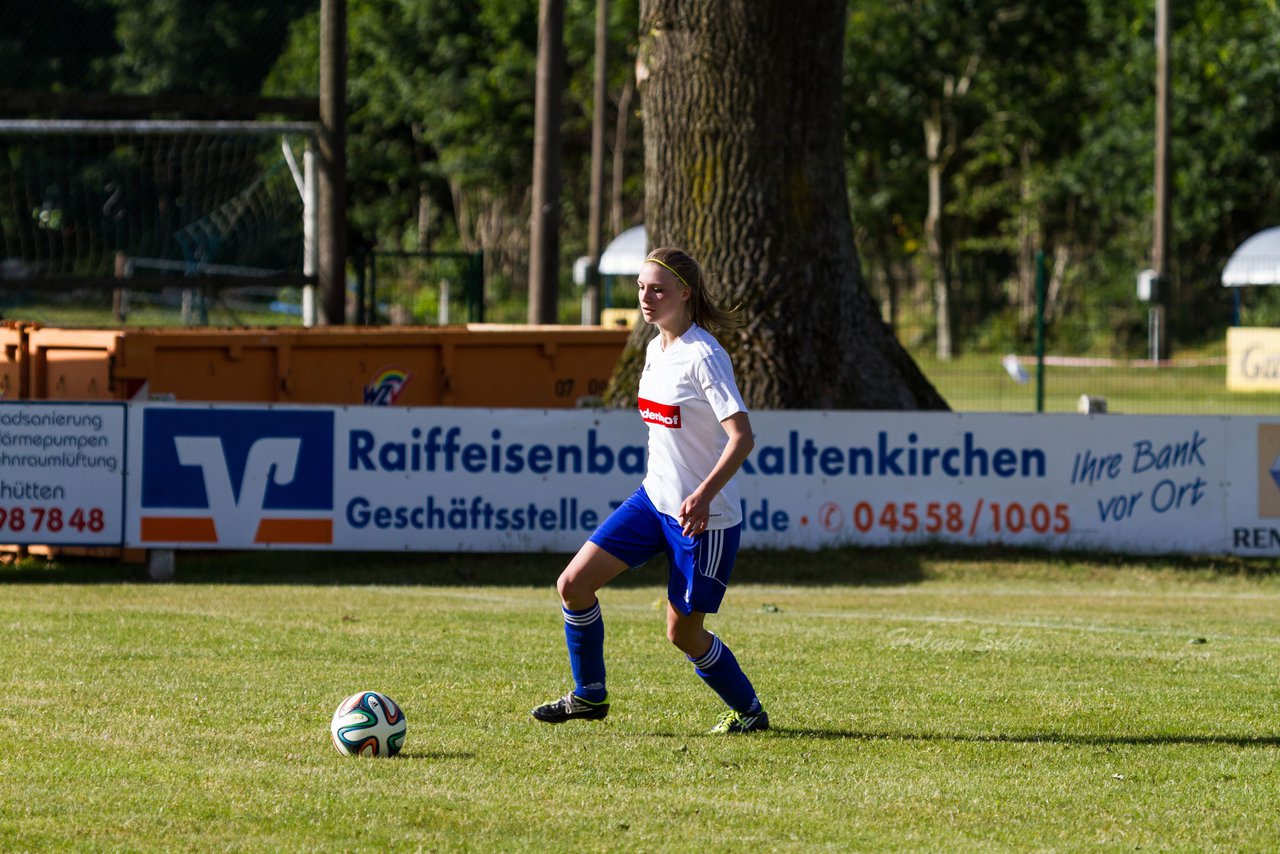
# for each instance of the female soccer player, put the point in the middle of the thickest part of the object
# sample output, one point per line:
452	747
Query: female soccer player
687	506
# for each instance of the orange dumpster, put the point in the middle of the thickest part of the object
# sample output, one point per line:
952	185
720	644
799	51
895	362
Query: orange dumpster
13	360
474	365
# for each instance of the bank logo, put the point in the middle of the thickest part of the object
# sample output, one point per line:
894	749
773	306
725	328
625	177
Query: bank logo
1269	470
386	387
237	478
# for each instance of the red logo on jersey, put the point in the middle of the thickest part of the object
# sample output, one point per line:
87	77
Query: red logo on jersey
660	413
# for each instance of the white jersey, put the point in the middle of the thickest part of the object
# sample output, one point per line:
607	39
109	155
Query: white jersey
685	392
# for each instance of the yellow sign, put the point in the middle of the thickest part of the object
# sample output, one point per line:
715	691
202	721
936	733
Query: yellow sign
1253	359
620	317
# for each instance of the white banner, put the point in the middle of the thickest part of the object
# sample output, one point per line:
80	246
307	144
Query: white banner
382	479
440	479
1106	482
62	473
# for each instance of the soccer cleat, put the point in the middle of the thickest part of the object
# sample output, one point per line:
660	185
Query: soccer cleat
731	721
568	707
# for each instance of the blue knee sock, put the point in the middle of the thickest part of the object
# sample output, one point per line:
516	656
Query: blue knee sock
720	670
584	635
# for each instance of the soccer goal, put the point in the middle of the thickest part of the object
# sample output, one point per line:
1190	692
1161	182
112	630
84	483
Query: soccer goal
186	211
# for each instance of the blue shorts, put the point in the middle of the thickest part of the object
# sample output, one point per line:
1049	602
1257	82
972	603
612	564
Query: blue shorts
700	565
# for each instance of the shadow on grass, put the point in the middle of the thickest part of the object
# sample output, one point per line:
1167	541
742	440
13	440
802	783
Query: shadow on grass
837	566
1083	739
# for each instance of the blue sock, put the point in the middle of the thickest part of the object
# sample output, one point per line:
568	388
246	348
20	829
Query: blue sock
720	670
584	635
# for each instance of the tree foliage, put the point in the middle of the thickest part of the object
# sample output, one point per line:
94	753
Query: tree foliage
213	47
56	45
1043	115
1052	151
441	136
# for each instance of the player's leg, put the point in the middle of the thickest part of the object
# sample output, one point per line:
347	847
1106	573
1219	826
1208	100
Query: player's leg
700	570
716	664
590	570
626	538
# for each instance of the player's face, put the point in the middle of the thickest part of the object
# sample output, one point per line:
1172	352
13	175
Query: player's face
663	299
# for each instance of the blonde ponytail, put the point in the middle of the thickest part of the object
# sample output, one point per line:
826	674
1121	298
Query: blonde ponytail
704	310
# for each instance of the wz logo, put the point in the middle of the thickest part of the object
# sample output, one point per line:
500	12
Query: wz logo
237	478
386	387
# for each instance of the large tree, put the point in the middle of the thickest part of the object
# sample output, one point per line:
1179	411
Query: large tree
743	163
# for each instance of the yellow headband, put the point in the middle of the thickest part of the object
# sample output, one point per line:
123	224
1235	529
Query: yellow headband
672	269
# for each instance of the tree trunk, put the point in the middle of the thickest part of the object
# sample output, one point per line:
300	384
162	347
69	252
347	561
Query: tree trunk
618	216
935	244
544	239
743	168
891	285
331	194
1028	242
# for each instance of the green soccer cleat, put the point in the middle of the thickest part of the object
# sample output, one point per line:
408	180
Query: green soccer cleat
731	722
569	707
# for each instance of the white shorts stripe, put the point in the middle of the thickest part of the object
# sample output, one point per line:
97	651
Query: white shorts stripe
712	552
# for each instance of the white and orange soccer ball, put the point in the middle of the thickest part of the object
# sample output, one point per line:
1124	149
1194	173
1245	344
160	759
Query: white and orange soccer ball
368	724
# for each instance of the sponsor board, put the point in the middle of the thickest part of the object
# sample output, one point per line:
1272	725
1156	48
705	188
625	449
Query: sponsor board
1115	483
226	477
1253	359
480	480
450	479
62	470
1253	489
523	479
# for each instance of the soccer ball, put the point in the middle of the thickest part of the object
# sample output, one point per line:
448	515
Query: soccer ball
368	724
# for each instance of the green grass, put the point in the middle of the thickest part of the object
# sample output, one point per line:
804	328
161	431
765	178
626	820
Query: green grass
74	316
978	382
922	700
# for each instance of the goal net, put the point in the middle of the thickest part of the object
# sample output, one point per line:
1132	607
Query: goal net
152	204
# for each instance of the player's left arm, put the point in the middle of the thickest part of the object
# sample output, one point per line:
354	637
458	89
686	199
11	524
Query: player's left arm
696	509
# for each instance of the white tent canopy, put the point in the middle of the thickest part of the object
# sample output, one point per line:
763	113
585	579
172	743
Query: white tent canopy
1255	262
625	253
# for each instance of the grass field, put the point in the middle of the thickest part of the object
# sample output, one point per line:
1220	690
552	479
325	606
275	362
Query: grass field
924	700
978	383
142	314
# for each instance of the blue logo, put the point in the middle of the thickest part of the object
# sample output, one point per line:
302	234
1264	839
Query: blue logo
237	477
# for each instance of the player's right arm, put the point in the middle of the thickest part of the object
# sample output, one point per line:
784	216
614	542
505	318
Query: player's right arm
696	508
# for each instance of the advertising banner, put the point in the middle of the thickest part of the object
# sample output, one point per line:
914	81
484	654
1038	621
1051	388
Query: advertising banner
1097	482
1253	359
441	479
1252	515
62	473
431	479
